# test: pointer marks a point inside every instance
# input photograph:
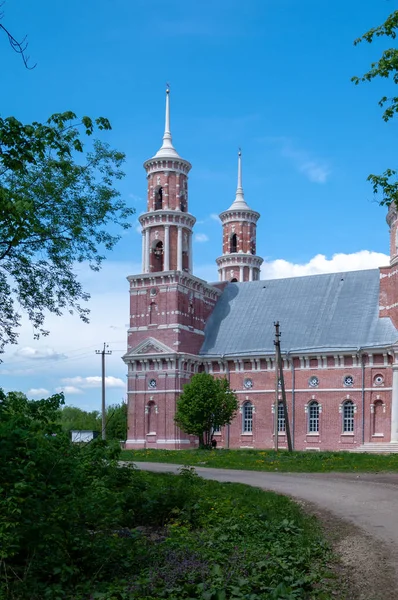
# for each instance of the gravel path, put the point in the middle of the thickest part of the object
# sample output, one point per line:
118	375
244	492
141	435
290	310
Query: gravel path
359	513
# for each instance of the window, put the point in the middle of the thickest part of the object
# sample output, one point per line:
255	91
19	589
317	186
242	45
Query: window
216	429
233	245
158	198
247	417
348	417
158	256
313	417
281	418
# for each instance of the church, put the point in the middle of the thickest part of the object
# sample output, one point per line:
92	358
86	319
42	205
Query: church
339	333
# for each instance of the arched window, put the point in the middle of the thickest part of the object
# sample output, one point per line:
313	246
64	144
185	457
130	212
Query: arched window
313	417
234	280
348	416
158	256
281	418
247	417
233	243
159	198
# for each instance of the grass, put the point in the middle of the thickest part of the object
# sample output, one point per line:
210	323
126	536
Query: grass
225	541
269	460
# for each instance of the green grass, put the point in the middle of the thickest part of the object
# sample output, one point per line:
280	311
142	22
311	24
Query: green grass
225	541
269	460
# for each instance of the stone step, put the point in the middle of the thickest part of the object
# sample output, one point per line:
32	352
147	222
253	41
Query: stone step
378	447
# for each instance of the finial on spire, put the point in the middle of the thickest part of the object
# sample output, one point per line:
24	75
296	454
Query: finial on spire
239	187
167	149
239	202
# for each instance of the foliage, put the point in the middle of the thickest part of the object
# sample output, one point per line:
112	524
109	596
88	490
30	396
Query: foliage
71	417
75	525
57	205
205	405
385	67
269	460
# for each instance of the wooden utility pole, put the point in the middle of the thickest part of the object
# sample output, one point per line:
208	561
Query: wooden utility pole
103	352
276	404
280	377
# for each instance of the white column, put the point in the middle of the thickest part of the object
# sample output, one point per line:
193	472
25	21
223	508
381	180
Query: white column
219	275
250	273
241	272
394	401
147	254
166	248
143	251
190	257
179	248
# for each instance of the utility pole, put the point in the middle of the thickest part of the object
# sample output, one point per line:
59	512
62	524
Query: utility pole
280	376
103	352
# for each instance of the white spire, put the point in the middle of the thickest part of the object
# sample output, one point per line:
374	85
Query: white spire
167	150
239	202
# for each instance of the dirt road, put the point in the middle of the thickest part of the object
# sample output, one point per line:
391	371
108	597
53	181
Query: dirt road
359	511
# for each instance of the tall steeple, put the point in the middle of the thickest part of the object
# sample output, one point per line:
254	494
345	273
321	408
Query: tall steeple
239	202
167	225
167	149
239	261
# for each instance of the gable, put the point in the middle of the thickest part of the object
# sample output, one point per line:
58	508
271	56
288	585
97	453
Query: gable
150	346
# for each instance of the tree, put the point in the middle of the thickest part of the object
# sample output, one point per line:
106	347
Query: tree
205	405
385	67
71	417
58	207
60	505
116	422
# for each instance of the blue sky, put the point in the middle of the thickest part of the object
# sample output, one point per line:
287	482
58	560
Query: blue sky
271	76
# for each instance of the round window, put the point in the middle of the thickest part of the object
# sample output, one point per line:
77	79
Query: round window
348	380
378	379
313	381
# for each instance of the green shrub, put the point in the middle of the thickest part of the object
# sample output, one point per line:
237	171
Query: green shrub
76	525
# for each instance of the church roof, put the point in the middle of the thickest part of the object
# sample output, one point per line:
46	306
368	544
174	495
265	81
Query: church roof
318	313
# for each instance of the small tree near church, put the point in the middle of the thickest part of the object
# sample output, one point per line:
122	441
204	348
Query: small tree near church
206	404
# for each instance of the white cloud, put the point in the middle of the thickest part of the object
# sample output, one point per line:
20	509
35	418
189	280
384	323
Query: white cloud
215	217
201	237
364	259
39	353
38	392
68	389
94	381
315	169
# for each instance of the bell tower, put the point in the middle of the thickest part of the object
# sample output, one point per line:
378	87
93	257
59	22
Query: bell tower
169	306
239	261
167	224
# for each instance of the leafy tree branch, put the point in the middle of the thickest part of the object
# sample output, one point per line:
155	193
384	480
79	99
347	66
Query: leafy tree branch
386	67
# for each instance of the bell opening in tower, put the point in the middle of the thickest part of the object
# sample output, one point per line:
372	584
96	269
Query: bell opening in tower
157	257
159	198
233	244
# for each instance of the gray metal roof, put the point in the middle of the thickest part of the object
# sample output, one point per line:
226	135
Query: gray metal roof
338	311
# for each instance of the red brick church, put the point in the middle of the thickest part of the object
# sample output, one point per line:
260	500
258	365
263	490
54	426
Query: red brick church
339	332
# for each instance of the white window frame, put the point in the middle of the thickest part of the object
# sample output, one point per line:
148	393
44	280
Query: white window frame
281	418
313	420
348	413
247	417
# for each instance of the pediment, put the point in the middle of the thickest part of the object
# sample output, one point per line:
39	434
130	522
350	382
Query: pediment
150	346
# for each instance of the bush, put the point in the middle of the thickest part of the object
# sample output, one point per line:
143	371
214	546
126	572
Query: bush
75	525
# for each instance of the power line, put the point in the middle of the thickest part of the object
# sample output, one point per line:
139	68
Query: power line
103	353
